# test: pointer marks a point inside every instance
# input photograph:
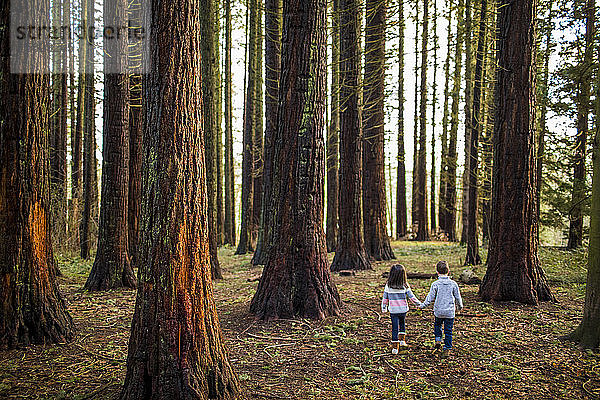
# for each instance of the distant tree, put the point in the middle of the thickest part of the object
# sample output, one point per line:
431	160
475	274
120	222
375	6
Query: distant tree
442	212
245	243
468	79
229	225
583	108
414	202
401	208
258	146
333	133
433	216
350	252
374	202
476	126
112	266
33	310
514	271
176	349
296	280
272	68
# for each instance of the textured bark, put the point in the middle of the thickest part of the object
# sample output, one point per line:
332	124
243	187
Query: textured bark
210	73
450	197
272	68
350	252
112	267
588	331
32	309
257	180
468	118
333	134
220	216
421	221
374	202
90	179
442	211
472	257
488	126
401	208
135	168
514	271
245	244
296	281
578	194
176	349
229	228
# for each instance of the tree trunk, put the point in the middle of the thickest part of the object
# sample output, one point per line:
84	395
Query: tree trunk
473	257
296	281
257	181
442	211
272	68
433	123
210	73
401	209
422	223
488	126
374	202
350	252
414	195
468	118
578	194
333	136
245	243
90	179
135	168
33	310
450	196
588	331
176	349
229	228
220	216
514	272
112	266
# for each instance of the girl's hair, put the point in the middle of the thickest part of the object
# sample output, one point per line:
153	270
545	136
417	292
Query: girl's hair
397	278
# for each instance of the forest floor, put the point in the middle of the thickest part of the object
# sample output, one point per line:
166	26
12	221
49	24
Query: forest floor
501	351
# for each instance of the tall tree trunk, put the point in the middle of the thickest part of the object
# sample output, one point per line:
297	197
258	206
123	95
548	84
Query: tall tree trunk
578	194
433	123
442	211
468	33
220	217
488	124
333	134
33	310
514	271
296	281
401	209
112	266
414	194
176	349
245	243
350	252
473	257
135	168
210	73
229	228
422	222
452	154
588	331
272	68
257	181
90	179
374	202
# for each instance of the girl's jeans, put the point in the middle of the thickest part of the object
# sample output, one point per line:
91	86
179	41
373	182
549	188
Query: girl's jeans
397	325
437	331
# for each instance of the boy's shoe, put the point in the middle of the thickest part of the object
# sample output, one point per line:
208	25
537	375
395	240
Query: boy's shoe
402	336
403	343
395	347
445	353
437	346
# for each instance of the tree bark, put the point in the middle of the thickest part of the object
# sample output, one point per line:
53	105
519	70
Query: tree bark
257	180
514	272
578	194
32	309
374	202
422	222
272	70
415	172
296	281
472	257
433	122
350	252
442	211
401	208
333	136
176	349
468	118
229	228
135	168
112	266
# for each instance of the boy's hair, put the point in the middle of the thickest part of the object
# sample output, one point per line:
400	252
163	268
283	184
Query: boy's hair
397	278
442	267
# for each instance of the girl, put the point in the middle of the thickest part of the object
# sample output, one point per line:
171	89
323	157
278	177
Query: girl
395	296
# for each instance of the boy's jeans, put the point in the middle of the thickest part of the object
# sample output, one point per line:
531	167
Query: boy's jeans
437	331
397	325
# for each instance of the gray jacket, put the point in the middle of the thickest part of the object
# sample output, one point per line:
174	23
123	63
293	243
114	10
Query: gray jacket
446	295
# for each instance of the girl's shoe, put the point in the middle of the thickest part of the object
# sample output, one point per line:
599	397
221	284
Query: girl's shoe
402	336
395	347
445	353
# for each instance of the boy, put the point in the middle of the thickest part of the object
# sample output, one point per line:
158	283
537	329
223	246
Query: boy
445	294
